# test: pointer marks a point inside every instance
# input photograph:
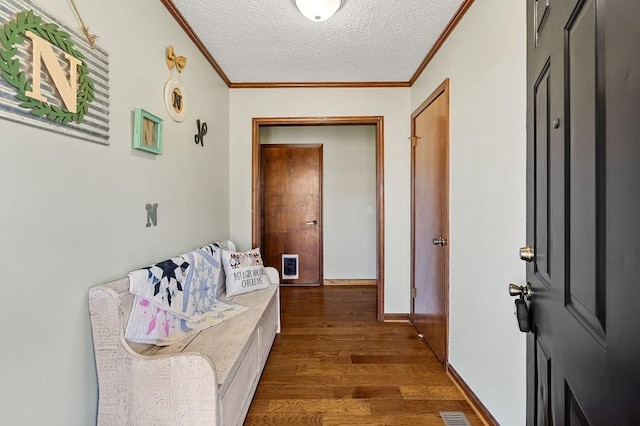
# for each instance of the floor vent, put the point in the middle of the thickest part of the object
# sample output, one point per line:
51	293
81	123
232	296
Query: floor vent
454	418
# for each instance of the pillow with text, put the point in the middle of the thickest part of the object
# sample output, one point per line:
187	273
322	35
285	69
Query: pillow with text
244	272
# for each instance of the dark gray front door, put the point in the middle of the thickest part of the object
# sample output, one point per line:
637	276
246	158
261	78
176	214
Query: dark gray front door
583	204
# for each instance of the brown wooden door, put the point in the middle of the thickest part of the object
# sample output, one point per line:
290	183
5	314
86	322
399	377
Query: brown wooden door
583	212
292	212
430	220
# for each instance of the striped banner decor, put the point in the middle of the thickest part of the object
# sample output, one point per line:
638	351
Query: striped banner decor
31	40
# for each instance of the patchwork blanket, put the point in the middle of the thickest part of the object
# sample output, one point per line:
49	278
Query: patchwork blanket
178	297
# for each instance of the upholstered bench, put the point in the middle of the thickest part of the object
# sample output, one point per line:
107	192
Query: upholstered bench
205	379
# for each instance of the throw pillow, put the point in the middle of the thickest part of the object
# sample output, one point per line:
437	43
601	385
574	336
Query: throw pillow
244	272
221	245
215	251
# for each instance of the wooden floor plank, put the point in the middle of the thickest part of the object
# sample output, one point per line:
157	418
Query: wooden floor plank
394	359
282	369
334	364
356	346
269	391
384	406
383	420
348	334
318	406
278	360
431	392
275	379
346	351
282	420
369	369
399	380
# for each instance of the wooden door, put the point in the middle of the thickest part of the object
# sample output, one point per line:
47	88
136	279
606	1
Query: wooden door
430	127
583	212
292	208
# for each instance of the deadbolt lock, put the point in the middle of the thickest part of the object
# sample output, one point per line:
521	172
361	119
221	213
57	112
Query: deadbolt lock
527	254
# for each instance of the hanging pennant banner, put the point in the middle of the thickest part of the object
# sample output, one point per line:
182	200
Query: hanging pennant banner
50	76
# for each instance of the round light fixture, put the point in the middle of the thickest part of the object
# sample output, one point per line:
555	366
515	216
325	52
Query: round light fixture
318	10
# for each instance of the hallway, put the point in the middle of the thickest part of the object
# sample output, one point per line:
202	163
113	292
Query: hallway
334	364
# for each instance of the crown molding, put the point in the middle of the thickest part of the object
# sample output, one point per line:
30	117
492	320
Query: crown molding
173	10
327	84
440	41
180	19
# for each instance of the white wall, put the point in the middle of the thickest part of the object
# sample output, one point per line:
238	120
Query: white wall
391	103
349	194
72	213
485	58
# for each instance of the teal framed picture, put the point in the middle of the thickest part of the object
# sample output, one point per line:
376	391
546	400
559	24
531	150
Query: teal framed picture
147	131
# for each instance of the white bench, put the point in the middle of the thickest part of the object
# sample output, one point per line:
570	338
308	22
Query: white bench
205	379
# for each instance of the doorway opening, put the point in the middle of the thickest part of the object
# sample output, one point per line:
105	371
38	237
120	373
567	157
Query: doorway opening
258	191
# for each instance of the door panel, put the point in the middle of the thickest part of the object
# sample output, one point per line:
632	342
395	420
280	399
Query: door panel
573	413
583	205
292	191
429	220
583	174
542	156
543	412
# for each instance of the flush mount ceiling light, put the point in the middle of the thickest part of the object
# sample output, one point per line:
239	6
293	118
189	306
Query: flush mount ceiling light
318	10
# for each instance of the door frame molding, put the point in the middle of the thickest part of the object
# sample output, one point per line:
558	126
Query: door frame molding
256	187
442	89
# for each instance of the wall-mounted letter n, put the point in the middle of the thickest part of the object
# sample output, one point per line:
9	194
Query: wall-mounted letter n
152	214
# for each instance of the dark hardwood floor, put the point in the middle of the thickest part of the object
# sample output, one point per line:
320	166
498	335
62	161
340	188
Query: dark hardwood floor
334	364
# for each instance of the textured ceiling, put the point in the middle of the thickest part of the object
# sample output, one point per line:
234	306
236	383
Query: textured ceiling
269	41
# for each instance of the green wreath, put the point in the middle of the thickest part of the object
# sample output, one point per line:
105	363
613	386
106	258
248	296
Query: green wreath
13	33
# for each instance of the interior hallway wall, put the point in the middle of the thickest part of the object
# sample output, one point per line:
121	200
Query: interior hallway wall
485	60
72	213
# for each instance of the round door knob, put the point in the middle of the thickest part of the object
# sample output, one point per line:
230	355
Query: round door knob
516	290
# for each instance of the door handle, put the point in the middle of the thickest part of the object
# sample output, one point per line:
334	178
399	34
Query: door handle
312	222
439	242
516	290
